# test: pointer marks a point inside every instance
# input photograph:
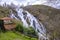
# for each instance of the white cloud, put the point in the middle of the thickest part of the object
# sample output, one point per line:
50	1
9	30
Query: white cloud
32	2
39	2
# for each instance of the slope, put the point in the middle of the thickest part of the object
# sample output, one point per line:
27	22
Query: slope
49	16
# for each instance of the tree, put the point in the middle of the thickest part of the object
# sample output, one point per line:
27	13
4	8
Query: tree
19	27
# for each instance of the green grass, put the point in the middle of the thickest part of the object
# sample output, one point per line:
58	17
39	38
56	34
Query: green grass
14	36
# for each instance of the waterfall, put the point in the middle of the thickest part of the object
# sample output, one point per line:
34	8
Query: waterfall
29	20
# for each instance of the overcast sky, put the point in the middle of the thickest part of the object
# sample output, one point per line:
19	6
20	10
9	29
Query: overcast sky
31	2
24	2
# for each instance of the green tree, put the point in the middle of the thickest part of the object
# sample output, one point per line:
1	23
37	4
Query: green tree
19	27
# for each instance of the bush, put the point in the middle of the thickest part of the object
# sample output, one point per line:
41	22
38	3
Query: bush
19	27
27	31
30	32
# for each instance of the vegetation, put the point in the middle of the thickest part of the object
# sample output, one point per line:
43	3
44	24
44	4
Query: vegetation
17	34
4	12
30	32
27	31
10	35
19	28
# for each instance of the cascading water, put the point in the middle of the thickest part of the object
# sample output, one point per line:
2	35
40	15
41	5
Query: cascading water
30	20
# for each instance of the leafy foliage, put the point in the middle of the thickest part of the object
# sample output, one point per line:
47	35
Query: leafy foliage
29	31
19	28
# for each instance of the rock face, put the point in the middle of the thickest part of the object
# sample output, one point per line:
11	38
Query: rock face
49	16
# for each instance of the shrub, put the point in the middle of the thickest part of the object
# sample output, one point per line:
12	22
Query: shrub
30	32
19	27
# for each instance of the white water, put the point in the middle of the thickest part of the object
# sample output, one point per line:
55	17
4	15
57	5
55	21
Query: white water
25	16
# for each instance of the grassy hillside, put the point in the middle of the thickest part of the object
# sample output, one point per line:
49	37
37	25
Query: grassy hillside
49	16
10	35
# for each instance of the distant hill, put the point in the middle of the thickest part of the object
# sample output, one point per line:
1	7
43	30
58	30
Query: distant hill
5	11
49	16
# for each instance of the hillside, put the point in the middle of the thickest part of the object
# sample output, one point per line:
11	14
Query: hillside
10	35
3	11
49	16
18	33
